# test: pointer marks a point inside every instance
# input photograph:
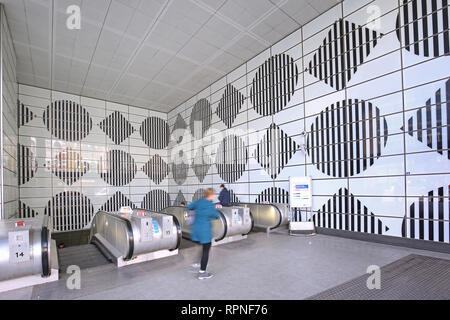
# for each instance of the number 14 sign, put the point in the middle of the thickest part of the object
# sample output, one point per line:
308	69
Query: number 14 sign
19	246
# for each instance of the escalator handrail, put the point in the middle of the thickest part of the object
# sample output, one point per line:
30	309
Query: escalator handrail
179	233
280	220
45	248
130	253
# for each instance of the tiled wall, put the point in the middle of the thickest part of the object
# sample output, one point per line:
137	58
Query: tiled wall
79	155
361	106
9	131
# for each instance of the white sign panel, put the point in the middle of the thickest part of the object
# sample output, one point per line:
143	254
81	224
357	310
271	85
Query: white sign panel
19	246
300	192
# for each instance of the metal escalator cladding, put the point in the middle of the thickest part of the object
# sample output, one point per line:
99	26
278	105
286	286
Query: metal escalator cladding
269	216
25	248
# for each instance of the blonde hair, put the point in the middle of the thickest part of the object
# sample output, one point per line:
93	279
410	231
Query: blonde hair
208	192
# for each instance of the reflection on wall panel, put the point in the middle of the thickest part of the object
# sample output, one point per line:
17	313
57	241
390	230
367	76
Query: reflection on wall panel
155	133
423	27
67	120
156	200
28	164
25	211
117	127
232	158
179	199
156	169
275	150
346	138
201	164
70	210
343	50
428	218
69	166
201	117
118	168
274	84
117	201
434	117
25	114
345	212
230	105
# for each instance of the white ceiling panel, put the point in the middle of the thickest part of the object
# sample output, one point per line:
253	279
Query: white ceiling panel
149	53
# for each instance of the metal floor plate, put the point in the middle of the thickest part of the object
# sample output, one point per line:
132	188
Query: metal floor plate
84	256
413	277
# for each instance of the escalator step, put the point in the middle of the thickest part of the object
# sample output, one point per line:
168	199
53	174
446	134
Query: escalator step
85	256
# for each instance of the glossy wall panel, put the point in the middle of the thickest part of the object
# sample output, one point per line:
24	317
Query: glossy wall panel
358	99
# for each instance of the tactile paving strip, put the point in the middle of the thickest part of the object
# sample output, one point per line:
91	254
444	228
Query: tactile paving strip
414	277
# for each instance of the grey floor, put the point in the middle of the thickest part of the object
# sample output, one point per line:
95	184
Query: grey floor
261	267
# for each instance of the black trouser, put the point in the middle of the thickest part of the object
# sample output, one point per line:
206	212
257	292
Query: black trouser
205	256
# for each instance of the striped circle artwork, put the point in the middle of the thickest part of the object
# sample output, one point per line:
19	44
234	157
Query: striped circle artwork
230	105
233	197
428	217
274	84
67	120
198	195
179	199
345	212
180	172
156	169
117	127
69	166
200	120
231	158
155	133
117	201
345	47
70	211
25	114
273	195
423	27
201	164
156	200
179	129
26	212
275	150
28	164
117	168
347	138
431	124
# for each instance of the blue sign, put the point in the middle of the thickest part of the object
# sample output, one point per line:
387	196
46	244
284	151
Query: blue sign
155	227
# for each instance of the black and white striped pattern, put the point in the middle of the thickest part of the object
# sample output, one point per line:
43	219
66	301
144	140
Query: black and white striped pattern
28	164
117	127
26	212
198	195
431	124
201	117
155	133
117	201
25	114
273	195
428	218
232	158
67	120
274	84
230	105
179	199
201	164
346	138
156	200
179	129
180	172
156	169
275	150
233	197
118	169
345	212
69	166
423	27
343	50
70	211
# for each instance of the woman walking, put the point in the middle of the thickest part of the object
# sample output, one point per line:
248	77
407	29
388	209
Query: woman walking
205	211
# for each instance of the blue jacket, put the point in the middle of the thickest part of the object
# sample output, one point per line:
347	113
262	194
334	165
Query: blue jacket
224	197
205	211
